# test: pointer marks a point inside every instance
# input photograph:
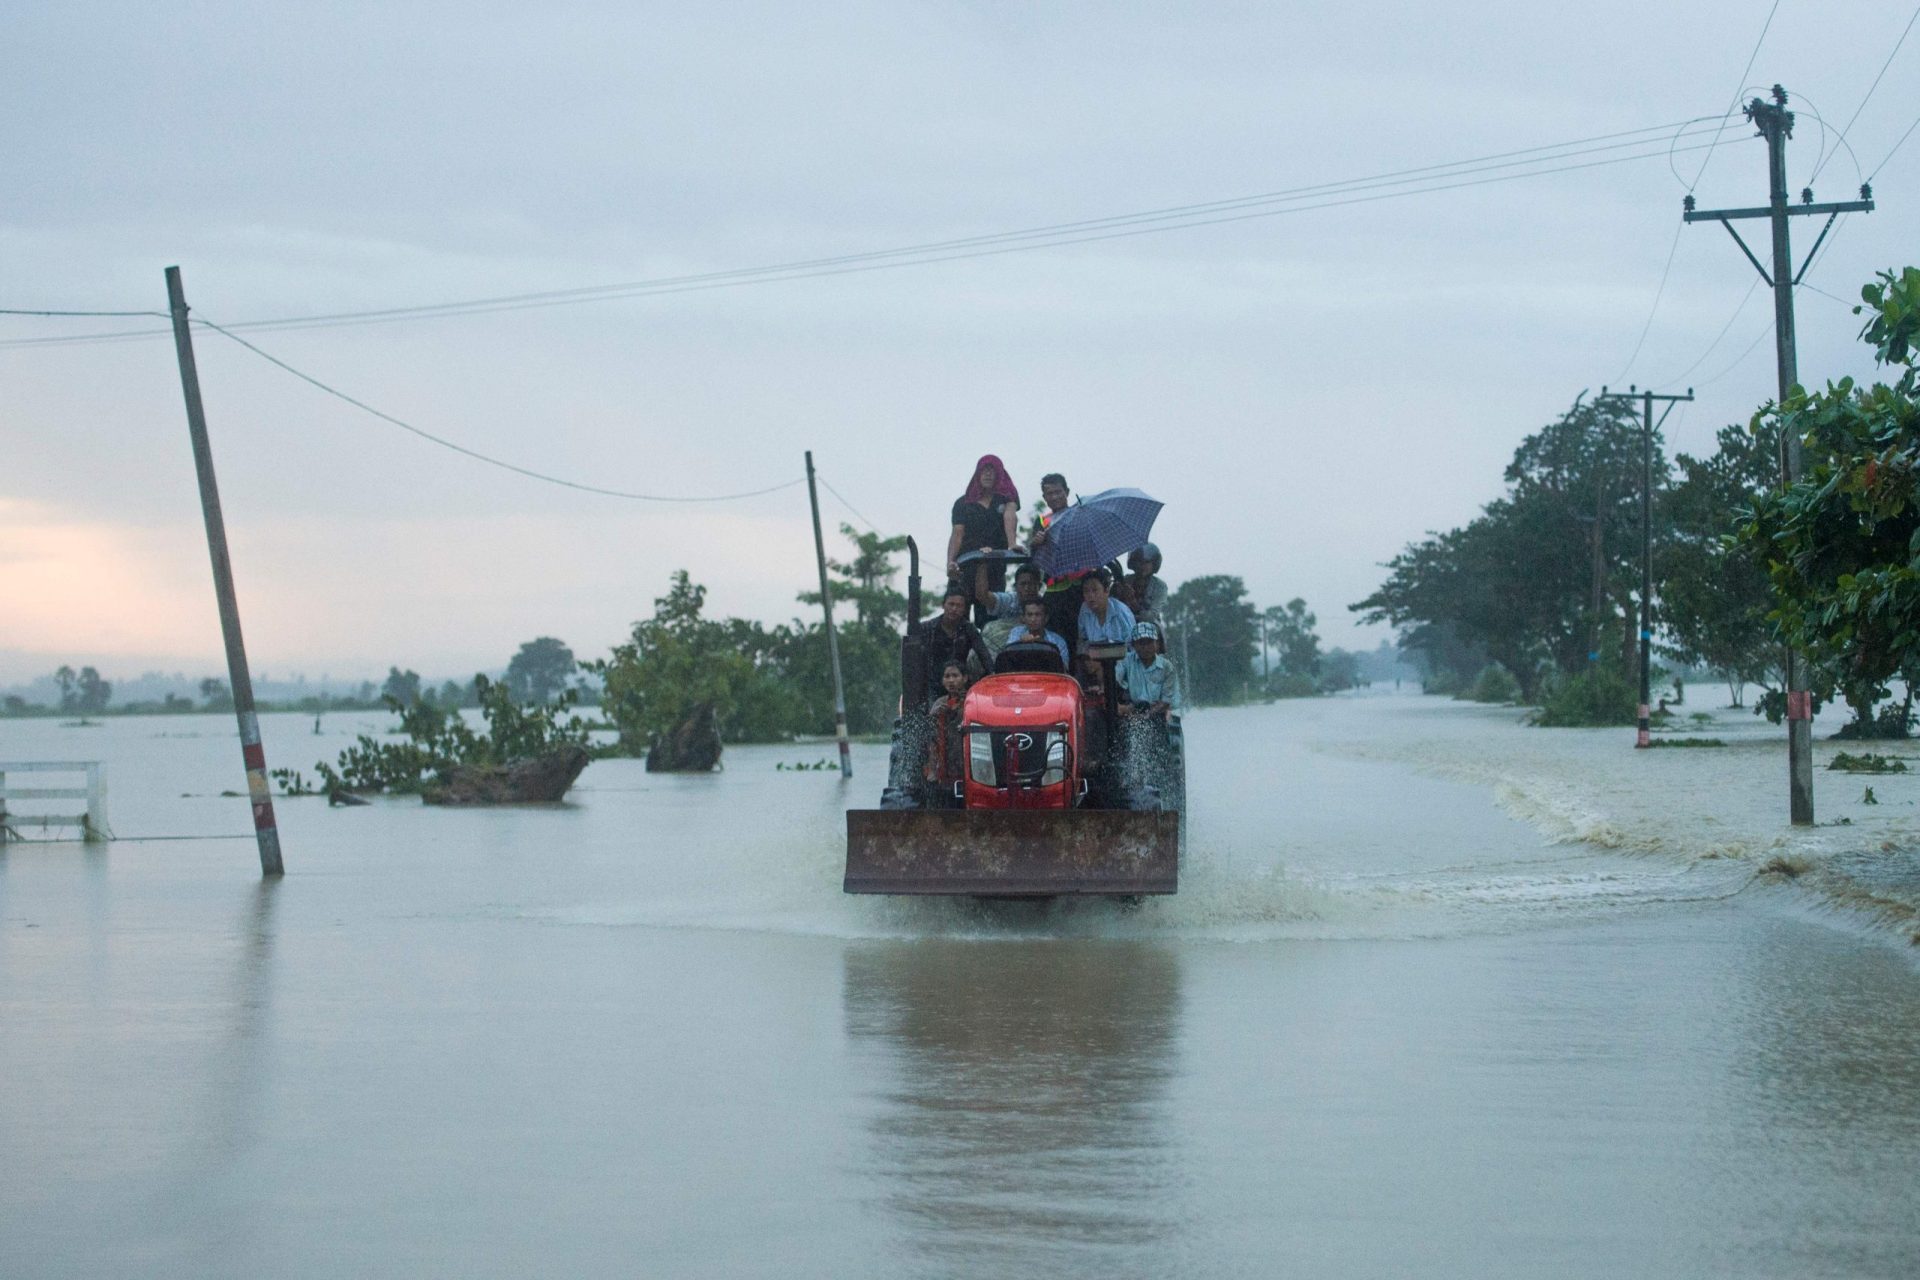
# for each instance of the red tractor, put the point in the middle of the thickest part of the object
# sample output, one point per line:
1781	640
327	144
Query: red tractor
1061	793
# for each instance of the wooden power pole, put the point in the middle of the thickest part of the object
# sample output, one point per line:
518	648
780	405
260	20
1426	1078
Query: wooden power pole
265	829
1775	123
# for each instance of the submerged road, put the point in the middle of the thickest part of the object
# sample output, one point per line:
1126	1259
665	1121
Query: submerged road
1439	996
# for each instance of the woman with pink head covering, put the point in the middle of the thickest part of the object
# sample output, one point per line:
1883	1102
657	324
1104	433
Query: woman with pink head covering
984	518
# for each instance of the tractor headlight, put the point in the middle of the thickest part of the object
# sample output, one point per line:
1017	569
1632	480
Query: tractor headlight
1056	771
980	759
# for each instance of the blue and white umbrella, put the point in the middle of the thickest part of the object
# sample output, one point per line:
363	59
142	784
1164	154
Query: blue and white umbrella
1095	530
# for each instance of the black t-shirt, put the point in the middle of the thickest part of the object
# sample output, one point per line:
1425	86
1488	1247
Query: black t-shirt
939	646
981	526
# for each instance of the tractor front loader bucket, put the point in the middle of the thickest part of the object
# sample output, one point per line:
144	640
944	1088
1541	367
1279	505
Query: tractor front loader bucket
1018	853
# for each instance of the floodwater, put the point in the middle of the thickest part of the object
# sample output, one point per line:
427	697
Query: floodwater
1440	996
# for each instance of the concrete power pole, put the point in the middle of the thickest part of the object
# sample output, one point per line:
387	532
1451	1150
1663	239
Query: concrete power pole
833	639
1647	427
1775	123
265	829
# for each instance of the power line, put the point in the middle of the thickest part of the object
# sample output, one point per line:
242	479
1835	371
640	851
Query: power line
17	311
1430	178
1823	293
1658	292
1740	359
1732	106
848	505
1868	97
1896	146
364	407
1840	140
1718	337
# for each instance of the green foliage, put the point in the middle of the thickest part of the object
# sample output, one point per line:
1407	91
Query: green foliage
1290	632
1892	304
293	782
1867	762
1339	669
765	684
676	662
1516	585
437	740
1715	596
869	664
1217	636
1494	684
539	671
1843	544
401	686
85	692
216	695
866	582
1596	697
1284	684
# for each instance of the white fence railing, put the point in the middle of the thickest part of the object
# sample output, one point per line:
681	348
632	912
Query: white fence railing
92	823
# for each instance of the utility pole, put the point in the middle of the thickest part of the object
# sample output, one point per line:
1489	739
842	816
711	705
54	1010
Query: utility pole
1647	428
833	639
265	829
1775	123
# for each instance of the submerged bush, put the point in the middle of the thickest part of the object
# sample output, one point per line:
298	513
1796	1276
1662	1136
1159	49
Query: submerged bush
1292	685
1597	697
1494	684
438	740
1867	762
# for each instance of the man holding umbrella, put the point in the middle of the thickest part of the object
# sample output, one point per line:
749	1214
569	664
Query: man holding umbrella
1083	537
1062	594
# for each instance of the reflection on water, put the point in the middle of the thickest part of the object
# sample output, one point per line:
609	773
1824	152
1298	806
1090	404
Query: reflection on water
1022	1090
243	1047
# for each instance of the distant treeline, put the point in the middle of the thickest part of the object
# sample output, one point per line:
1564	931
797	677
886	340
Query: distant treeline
1544	585
761	683
537	674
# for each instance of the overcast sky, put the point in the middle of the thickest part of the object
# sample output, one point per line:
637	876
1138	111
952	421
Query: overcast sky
1306	392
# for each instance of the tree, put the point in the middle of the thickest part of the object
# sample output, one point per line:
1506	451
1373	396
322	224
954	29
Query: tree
454	694
1715	596
1548	574
91	693
1339	670
216	695
539	671
866	581
678	668
1216	634
69	699
1840	543
1290	631
402	687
